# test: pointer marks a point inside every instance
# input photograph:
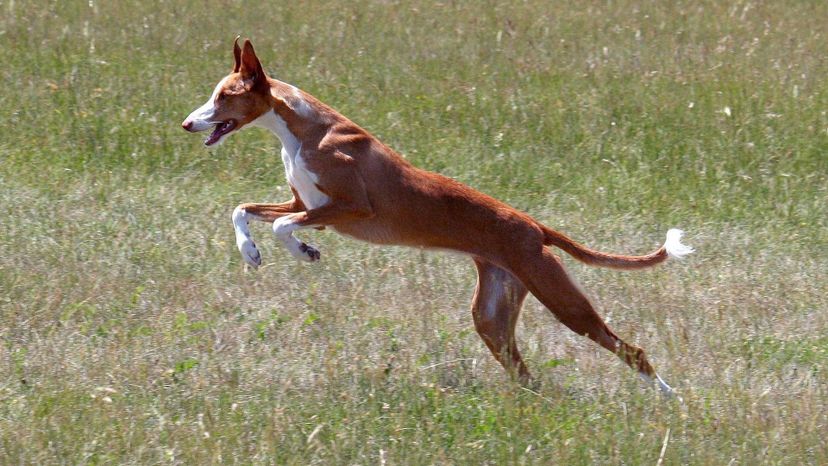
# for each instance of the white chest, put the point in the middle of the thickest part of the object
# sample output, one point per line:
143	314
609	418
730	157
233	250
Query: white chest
303	180
298	175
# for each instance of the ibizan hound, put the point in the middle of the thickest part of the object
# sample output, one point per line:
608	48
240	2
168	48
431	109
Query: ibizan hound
344	178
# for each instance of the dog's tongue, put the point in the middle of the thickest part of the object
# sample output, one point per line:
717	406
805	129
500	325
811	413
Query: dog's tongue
220	130
214	136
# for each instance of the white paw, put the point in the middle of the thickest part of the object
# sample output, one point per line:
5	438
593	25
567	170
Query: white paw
311	253
283	228
248	251
303	252
666	390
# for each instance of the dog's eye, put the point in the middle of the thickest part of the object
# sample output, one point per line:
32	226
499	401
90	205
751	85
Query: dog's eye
221	97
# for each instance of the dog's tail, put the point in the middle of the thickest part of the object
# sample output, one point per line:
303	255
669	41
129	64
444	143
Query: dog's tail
671	248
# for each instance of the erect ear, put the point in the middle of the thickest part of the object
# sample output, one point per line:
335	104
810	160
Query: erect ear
251	68
236	55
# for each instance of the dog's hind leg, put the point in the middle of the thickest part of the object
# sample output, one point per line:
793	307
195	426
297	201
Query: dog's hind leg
495	308
546	278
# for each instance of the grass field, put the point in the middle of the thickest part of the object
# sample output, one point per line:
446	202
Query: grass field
132	334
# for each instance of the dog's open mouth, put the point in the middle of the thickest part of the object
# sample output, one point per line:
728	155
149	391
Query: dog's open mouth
221	129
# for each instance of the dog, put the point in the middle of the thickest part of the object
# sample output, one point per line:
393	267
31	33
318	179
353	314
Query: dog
345	179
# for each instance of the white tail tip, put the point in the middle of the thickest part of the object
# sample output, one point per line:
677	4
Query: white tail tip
673	244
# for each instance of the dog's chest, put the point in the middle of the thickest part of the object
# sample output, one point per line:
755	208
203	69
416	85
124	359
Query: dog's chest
302	179
299	176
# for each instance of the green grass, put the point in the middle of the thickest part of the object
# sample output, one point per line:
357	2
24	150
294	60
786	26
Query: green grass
131	333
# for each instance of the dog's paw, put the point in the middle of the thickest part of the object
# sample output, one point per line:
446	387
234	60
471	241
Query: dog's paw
309	253
249	252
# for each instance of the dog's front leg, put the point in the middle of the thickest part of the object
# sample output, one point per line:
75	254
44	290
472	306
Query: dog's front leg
242	215
347	202
330	214
283	228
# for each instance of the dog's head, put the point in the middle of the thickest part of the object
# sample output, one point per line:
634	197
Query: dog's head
239	98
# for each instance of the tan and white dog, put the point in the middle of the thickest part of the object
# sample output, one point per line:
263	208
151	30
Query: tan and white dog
344	178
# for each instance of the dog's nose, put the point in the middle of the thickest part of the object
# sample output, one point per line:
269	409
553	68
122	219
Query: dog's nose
187	125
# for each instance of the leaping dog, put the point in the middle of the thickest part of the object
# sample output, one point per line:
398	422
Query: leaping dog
344	178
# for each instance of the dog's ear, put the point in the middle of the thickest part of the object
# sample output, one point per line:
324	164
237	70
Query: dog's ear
250	69
236	55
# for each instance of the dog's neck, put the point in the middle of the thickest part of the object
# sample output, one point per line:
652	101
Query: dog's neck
293	116
272	120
